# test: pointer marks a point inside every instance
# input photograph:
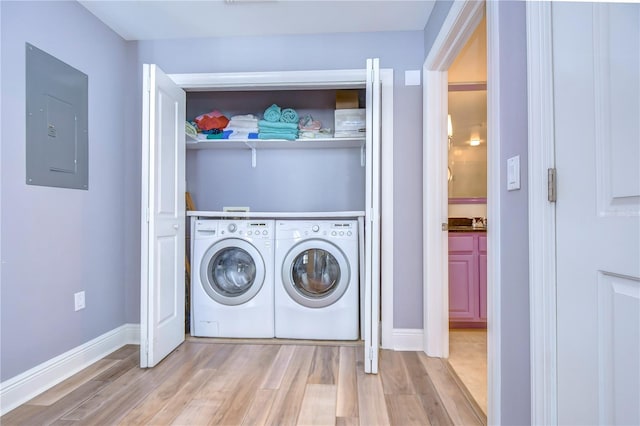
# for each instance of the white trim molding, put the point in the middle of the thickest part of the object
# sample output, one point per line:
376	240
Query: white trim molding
23	387
462	20
386	208
407	339
460	23
494	168
542	226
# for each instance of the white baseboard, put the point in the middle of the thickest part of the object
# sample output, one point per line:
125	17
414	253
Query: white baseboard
407	339
23	387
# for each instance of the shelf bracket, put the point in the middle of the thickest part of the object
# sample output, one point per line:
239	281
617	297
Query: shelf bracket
254	155
362	156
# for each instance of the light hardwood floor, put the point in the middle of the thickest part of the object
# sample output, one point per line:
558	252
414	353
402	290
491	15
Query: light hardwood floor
278	383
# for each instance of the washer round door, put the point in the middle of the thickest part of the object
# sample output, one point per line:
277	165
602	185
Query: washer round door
315	273
232	271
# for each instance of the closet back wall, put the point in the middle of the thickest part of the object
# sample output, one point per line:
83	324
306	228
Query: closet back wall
398	50
294	180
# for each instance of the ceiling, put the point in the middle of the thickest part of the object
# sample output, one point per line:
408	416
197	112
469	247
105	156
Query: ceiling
156	20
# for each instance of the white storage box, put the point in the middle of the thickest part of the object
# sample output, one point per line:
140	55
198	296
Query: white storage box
350	123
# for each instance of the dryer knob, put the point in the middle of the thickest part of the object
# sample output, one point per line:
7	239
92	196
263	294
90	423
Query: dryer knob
315	228
232	227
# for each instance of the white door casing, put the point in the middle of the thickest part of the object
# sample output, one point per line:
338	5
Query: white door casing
460	23
596	83
163	217
304	79
372	217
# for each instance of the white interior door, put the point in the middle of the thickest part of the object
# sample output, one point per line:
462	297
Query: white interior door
596	69
372	219
163	217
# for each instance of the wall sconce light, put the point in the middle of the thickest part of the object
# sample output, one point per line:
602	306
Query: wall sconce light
474	142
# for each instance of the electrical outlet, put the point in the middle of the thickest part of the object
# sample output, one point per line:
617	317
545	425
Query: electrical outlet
78	299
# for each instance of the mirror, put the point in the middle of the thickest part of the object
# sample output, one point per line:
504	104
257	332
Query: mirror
467	140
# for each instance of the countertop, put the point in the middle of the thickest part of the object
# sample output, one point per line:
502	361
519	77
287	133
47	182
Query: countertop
466	229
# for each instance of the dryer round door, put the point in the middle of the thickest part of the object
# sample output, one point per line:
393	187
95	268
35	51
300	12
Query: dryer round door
315	273
232	271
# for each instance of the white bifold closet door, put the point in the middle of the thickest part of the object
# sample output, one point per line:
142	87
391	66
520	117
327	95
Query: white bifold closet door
163	213
163	217
372	219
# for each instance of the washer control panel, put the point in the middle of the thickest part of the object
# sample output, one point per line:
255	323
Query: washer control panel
327	229
229	228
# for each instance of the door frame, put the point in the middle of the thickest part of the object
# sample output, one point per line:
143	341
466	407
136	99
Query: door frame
461	21
542	224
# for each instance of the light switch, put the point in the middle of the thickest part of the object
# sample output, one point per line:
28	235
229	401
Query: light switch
513	173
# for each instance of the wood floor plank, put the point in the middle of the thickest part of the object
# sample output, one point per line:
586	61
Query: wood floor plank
259	407
234	408
318	405
406	410
347	392
183	397
372	408
286	406
67	403
116	399
278	368
456	405
156	400
324	367
20	414
347	421
69	385
200	411
124	352
119	368
394	375
222	352
206	381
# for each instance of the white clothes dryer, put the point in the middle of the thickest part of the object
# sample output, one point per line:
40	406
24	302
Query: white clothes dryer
232	278
317	280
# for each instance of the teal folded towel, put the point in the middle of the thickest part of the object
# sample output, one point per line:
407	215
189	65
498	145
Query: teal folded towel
290	136
268	125
273	113
289	115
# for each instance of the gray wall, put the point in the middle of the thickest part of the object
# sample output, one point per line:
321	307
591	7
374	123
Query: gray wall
514	218
56	242
436	19
400	51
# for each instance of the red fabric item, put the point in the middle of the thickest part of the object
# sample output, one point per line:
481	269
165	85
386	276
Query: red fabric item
212	120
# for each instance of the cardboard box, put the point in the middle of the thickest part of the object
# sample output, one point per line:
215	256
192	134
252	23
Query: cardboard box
346	99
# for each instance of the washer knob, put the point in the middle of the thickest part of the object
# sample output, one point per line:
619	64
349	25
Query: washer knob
315	228
232	227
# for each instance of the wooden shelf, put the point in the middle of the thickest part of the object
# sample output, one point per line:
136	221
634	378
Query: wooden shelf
277	215
317	143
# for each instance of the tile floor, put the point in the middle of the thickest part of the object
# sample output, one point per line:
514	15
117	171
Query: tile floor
468	357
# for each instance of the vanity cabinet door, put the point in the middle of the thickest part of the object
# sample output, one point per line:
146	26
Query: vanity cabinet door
463	278
482	275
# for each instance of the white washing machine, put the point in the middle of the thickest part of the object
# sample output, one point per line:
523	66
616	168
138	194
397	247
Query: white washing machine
317	279
232	278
